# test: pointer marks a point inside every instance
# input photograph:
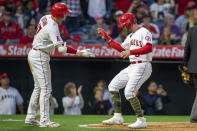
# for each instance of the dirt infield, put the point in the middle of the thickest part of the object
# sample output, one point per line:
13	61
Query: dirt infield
154	126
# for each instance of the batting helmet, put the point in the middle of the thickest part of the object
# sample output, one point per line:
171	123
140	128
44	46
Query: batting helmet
59	9
127	19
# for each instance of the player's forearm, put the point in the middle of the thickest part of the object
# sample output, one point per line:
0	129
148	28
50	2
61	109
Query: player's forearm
110	41
116	46
21	109
66	49
71	50
143	50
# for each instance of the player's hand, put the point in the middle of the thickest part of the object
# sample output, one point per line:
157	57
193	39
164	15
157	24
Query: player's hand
100	32
125	54
104	34
85	53
79	89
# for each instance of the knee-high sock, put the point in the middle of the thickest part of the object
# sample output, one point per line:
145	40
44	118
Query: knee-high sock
116	100
135	103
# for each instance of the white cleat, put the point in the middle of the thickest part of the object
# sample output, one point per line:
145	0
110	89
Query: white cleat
33	122
140	123
50	125
115	120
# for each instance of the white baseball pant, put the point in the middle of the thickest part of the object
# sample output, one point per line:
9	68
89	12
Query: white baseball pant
39	64
131	78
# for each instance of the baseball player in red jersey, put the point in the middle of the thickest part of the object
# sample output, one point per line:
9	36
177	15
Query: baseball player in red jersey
138	47
47	38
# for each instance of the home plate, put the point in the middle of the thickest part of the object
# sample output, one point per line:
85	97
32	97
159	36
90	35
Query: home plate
159	126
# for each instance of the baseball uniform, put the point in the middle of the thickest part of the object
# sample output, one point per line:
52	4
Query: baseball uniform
46	39
135	74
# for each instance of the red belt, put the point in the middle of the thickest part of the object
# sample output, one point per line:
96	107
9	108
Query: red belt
40	50
135	62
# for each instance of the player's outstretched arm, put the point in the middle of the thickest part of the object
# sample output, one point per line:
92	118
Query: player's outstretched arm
110	41
68	49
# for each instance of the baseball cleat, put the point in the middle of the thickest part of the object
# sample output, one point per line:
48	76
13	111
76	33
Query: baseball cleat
50	125
114	120
33	122
140	123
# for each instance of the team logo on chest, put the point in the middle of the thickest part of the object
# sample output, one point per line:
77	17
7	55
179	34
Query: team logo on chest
148	38
136	42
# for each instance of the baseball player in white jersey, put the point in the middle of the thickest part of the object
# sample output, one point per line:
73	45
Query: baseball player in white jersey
47	38
138	47
9	97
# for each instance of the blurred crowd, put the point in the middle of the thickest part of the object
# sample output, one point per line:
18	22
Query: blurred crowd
156	100
168	20
153	102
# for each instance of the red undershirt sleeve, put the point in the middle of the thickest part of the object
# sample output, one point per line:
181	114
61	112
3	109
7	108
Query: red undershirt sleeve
116	46
71	50
143	50
111	42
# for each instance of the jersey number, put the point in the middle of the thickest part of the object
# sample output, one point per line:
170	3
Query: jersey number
44	22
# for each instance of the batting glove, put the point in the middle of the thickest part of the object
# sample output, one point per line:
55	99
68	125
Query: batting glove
85	53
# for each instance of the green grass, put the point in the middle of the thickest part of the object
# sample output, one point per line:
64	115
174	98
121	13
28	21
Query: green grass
70	123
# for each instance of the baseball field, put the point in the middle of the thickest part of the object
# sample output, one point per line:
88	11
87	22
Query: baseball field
92	123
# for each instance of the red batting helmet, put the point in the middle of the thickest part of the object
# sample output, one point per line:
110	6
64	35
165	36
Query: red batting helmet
127	19
59	9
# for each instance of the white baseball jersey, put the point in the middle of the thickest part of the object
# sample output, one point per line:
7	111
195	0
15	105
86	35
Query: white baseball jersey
8	100
46	39
137	40
47	35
